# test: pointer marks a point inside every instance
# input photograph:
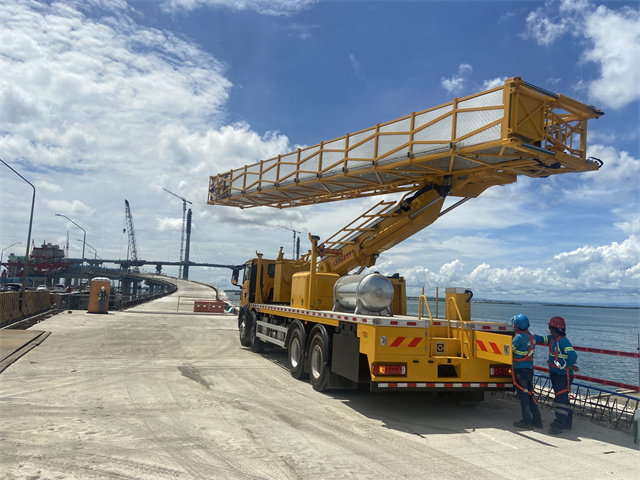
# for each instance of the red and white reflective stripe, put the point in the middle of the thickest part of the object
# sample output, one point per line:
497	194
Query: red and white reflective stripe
489	347
402	342
442	385
346	317
477	326
397	321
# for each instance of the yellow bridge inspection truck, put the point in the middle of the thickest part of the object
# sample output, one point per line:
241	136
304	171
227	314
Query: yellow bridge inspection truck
343	329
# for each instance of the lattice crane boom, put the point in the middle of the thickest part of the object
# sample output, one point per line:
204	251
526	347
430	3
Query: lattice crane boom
295	236
133	247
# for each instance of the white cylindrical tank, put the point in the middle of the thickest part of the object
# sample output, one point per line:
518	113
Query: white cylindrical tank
363	293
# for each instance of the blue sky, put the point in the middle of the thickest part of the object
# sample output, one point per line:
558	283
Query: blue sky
103	101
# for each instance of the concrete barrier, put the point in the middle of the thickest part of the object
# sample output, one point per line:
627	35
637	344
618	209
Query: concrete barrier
9	307
34	302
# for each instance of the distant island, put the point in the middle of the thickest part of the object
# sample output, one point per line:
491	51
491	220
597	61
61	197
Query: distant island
548	304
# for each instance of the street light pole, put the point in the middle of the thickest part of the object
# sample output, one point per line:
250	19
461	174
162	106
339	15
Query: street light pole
84	242
5	248
95	252
26	256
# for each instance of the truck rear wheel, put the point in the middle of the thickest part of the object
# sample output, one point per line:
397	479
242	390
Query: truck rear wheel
318	369
295	354
244	327
255	343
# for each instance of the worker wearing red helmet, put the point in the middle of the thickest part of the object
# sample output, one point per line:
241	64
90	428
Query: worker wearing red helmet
562	364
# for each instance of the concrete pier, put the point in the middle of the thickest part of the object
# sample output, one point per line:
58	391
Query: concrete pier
159	391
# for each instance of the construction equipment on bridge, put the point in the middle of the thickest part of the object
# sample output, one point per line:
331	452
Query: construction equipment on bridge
132	256
343	329
182	231
295	253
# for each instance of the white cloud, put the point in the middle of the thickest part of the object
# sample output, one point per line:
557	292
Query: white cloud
630	227
543	29
113	84
302	31
496	82
266	7
48	186
616	49
599	273
169	224
112	110
611	41
354	63
456	83
73	207
220	150
98	108
615	183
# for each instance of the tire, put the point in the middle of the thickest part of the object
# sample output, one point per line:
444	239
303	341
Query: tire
295	354
244	327
318	370
254	342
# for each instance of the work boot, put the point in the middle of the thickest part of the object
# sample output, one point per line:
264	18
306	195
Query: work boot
555	430
538	424
556	425
524	425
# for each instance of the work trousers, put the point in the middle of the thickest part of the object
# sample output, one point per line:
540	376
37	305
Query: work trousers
530	410
564	414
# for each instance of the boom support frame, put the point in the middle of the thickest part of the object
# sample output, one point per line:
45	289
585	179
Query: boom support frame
485	139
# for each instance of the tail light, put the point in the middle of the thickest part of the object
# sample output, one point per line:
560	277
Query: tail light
500	371
395	370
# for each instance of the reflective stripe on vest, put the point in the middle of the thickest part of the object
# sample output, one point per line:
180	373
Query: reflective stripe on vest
529	355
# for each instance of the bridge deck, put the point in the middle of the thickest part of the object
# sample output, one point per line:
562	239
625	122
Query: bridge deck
162	395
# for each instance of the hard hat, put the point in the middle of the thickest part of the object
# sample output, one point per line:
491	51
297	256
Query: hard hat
521	321
102	288
557	322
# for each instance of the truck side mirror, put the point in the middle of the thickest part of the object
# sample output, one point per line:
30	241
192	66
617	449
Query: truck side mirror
234	276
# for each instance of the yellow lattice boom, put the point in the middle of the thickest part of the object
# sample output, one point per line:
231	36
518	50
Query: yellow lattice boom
485	139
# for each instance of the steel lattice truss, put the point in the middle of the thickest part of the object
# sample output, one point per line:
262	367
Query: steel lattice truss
470	143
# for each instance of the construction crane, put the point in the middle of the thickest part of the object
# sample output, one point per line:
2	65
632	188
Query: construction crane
182	232
296	246
133	248
343	330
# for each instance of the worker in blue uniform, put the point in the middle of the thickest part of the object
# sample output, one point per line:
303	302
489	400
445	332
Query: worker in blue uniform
562	364
523	349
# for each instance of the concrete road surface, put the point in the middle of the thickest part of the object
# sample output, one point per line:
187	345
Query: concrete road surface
156	393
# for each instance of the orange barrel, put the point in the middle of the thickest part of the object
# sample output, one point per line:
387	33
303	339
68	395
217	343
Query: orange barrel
99	300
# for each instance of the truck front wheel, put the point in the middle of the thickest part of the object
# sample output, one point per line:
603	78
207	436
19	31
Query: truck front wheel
256	343
244	327
318	369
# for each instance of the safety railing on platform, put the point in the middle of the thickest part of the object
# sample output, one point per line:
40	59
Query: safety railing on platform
80	301
613	408
605	407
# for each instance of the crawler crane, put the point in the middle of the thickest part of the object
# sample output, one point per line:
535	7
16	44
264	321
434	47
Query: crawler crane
343	330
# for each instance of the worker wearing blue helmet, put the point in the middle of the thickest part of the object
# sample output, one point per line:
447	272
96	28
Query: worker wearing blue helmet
523	348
